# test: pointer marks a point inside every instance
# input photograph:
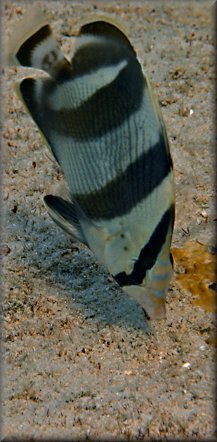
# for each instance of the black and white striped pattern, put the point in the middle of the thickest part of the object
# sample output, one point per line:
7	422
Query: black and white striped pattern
149	253
106	131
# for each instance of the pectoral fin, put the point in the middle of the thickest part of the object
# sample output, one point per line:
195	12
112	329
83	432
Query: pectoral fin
64	214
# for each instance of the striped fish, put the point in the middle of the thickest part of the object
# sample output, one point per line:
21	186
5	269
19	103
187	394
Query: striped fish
98	114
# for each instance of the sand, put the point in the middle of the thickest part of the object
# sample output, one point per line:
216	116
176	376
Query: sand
80	360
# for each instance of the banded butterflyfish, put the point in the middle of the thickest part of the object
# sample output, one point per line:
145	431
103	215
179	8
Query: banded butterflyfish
98	114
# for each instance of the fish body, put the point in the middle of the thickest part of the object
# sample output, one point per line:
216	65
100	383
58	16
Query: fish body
103	125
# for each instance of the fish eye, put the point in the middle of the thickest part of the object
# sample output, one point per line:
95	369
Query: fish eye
171	259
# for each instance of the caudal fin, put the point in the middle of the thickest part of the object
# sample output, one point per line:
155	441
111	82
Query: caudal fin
33	45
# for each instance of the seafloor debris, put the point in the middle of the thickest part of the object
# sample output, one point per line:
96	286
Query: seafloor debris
195	270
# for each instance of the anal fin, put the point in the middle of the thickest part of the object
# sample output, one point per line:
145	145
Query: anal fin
64	214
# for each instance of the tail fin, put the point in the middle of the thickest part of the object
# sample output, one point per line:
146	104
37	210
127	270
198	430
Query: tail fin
33	45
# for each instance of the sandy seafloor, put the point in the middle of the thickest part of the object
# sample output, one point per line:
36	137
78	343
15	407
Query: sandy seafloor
80	359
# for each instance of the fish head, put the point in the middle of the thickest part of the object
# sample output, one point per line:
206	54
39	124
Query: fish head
148	279
153	304
151	294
